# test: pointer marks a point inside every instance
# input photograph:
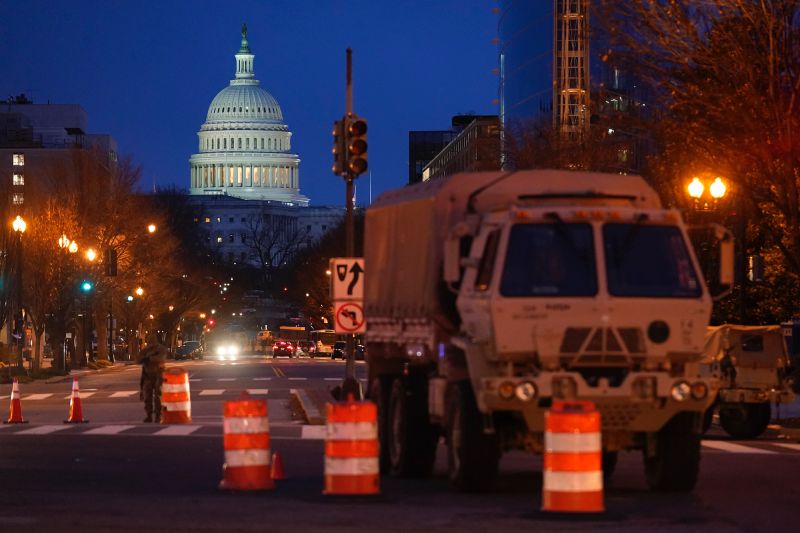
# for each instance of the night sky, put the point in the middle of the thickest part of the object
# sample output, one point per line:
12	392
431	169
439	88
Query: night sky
145	72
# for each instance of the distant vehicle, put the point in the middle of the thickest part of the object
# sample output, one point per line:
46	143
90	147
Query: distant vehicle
283	347
307	347
227	345
324	340
187	350
360	352
263	339
338	350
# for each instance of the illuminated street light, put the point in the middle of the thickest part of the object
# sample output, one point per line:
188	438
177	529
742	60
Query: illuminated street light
73	247
130	298
202	316
171	307
696	188
717	188
139	291
91	255
20	226
151	228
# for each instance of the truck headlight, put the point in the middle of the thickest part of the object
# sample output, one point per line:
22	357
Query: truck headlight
222	350
680	391
526	391
699	390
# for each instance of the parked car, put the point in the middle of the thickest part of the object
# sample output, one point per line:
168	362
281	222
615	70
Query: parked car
187	350
282	347
339	348
307	347
361	352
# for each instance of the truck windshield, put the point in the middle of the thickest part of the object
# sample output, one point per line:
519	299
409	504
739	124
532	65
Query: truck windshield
647	260
549	260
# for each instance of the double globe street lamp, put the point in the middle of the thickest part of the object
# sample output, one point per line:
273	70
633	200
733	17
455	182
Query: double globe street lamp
19	225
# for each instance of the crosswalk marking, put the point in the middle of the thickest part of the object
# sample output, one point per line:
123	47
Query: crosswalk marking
333	379
727	446
37	396
84	395
195	379
226	379
257	392
123	393
212	392
42	430
177	430
261	379
787	445
112	429
297	379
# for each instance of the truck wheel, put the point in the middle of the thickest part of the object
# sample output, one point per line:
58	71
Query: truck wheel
412	438
379	390
677	460
609	464
473	457
744	421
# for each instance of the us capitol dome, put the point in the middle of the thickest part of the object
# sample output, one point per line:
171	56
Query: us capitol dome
245	146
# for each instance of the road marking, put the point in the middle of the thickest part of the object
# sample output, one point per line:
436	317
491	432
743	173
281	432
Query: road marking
123	393
313	432
211	392
83	395
726	446
196	379
38	396
297	379
5	396
333	379
42	430
254	379
108	430
261	392
278	372
226	379
174	431
788	446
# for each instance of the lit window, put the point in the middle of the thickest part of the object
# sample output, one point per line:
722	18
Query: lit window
18	179
208	220
17	198
219	219
19	160
219	238
230	237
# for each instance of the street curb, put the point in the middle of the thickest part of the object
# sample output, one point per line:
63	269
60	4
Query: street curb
309	407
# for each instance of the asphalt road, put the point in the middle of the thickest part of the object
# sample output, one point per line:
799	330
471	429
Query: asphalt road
117	473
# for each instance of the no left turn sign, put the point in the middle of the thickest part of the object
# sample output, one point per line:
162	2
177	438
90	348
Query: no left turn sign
349	317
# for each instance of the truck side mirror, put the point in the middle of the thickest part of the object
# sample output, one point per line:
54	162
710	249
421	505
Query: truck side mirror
452	263
726	261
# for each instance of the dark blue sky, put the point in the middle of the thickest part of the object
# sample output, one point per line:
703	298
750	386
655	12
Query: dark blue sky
146	72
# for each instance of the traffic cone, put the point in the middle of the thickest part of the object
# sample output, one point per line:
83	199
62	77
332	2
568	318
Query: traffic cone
277	467
15	415
75	410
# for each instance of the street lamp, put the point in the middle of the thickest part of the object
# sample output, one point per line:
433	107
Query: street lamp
19	227
91	255
717	189
139	291
151	228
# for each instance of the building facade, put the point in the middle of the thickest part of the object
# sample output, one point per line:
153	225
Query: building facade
476	148
244	145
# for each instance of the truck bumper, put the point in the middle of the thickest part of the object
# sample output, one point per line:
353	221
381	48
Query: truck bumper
644	402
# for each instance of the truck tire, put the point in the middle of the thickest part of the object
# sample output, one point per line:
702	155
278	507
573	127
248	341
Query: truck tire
473	457
708	418
411	437
676	463
379	390
744	421
609	464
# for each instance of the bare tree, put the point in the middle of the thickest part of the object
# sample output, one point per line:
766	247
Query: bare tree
274	239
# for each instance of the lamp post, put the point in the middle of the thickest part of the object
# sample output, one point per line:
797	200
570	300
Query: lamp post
20	226
69	247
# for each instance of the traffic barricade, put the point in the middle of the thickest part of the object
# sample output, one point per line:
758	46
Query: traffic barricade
573	458
351	448
75	407
176	403
247	445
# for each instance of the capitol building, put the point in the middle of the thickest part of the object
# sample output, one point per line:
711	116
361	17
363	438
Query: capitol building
246	179
245	146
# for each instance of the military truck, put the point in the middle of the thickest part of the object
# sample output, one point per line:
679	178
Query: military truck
490	295
753	367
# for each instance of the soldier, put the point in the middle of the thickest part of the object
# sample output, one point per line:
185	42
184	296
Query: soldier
152	359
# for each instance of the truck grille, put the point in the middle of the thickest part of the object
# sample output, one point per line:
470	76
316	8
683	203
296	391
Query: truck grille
618	416
601	346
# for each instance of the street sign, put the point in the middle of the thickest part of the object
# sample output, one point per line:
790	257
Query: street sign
347	278
349	317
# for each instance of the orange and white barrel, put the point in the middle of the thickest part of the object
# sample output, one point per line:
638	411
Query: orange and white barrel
247	445
573	458
351	449
176	404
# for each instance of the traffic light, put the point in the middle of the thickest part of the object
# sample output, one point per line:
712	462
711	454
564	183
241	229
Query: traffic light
110	262
356	137
86	286
338	148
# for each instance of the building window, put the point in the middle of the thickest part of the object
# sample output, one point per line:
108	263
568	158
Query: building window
207	220
17	198
230	237
230	257
18	179
219	238
247	143
243	238
239	143
19	160
230	219
262	143
219	219
244	219
225	143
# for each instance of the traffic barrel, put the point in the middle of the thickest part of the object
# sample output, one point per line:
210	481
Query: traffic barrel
573	458
351	448
247	445
15	412
75	408
176	404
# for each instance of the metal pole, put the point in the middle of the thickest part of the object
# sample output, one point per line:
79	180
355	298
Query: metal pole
85	343
111	327
742	237
21	346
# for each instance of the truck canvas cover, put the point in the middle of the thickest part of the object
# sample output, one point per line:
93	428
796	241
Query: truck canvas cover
748	346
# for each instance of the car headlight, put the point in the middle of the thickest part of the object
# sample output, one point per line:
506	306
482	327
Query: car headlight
222	350
680	391
233	349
